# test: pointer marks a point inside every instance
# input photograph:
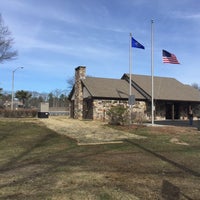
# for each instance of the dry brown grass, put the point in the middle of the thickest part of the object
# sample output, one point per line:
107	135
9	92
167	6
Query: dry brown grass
87	132
37	163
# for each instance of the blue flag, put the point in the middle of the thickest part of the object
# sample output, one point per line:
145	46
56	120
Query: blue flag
136	44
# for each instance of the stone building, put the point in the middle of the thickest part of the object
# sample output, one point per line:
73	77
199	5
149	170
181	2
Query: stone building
91	97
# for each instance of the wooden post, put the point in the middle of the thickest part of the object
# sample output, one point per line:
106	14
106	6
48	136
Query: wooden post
173	111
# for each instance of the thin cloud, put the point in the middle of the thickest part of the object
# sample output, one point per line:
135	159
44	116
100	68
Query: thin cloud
186	15
51	35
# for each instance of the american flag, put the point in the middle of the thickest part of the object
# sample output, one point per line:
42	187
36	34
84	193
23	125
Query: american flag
169	57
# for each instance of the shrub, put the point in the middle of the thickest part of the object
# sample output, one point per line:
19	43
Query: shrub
118	115
138	117
18	113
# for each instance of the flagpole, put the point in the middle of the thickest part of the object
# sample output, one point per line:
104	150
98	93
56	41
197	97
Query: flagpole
130	63
152	73
130	72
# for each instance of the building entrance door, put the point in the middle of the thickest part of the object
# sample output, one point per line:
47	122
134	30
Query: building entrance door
172	111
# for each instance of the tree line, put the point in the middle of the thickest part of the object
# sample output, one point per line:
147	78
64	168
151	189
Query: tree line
56	98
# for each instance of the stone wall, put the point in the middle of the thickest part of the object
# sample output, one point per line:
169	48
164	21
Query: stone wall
100	107
78	100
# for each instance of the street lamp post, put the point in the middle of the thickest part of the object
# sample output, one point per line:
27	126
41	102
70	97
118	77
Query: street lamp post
13	74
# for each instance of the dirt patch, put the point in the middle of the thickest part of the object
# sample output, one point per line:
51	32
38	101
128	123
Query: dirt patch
87	132
177	141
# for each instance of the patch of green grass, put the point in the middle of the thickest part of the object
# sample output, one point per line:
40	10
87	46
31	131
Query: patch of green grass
105	196
19	140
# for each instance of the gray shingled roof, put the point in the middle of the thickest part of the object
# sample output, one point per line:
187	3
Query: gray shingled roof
164	88
109	88
167	88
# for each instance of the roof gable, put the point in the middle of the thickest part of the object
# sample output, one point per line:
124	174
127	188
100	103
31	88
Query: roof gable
166	88
109	88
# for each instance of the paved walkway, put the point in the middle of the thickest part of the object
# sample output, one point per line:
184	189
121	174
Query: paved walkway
183	123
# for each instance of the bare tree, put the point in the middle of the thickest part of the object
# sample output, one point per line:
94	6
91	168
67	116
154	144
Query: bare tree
6	43
58	98
70	82
196	86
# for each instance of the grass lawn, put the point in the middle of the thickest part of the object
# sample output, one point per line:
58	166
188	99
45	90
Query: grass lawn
37	163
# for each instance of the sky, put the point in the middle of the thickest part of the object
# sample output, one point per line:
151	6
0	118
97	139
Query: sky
53	37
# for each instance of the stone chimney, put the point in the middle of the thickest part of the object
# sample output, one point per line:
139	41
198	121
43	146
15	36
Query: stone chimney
78	101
